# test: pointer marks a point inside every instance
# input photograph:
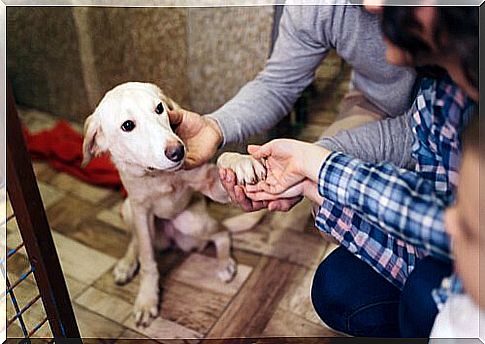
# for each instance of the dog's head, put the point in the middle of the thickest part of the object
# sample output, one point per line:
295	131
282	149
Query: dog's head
131	123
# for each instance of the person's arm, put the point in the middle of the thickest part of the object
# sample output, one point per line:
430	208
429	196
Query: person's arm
263	102
388	140
400	201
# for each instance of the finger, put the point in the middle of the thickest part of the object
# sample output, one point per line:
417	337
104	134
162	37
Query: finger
260	152
253	148
242	200
222	174
262	196
284	204
228	185
253	188
176	116
256	205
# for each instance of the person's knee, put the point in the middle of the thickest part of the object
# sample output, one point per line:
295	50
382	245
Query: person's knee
350	297
417	309
327	297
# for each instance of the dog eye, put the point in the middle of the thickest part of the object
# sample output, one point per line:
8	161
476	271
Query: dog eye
159	109
128	126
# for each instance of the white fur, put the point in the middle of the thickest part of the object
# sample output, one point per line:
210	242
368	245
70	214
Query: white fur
161	208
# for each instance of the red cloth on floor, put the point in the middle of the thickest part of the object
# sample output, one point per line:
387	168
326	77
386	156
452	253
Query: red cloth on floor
61	146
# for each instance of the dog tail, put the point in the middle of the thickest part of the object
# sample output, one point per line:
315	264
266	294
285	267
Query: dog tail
244	221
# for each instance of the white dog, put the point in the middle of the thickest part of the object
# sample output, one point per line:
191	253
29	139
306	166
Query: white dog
132	124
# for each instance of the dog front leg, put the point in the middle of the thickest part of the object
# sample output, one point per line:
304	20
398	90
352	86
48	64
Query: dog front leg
146	303
127	266
227	265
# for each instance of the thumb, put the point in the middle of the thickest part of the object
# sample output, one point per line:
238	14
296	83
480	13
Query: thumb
260	152
253	148
176	116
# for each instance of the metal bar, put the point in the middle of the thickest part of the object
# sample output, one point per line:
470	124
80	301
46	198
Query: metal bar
32	221
12	251
37	327
17	282
17	309
23	310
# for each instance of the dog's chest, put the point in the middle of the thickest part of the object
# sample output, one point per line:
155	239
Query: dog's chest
164	195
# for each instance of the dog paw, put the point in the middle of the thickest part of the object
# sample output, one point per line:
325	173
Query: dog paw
145	310
228	271
247	169
124	271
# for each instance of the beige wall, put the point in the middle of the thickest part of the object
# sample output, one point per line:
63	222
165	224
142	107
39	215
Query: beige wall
63	60
227	47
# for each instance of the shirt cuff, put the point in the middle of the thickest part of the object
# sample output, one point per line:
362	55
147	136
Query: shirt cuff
335	177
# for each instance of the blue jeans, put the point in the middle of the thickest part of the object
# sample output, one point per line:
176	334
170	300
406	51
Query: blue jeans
350	297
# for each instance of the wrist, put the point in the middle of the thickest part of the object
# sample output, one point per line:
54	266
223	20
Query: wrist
310	191
216	130
311	166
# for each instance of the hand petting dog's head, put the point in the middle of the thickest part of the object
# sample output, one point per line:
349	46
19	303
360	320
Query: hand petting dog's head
131	123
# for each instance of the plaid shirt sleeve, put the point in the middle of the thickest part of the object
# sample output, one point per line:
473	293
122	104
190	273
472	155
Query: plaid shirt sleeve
399	201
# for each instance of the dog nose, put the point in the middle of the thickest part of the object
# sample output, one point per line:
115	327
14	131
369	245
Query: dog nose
175	152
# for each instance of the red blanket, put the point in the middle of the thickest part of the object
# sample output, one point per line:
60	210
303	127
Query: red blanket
61	146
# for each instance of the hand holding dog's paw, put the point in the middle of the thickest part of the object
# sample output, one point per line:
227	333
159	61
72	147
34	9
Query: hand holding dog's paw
247	169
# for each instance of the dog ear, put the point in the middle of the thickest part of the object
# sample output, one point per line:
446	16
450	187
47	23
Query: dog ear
172	105
93	137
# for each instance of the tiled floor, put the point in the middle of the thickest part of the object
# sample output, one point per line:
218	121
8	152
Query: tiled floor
269	297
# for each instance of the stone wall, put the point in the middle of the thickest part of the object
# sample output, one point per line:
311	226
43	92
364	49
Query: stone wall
62	60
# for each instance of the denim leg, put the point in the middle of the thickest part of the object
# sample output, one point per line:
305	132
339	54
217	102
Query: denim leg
417	310
350	297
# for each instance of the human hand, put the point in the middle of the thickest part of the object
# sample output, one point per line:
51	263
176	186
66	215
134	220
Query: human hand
238	195
288	162
201	135
305	188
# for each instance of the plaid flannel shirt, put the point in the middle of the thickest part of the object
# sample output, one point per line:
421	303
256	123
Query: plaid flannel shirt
387	216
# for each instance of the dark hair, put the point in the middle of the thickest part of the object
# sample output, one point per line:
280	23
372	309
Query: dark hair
455	29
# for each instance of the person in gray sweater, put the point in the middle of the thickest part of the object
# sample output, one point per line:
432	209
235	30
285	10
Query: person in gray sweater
306	34
370	124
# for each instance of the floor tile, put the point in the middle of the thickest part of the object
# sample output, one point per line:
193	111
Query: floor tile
7	208
43	171
297	298
200	271
102	237
125	292
66	216
90	193
128	335
112	216
194	308
288	324
300	248
104	304
254	305
50	194
92	325
163	329
81	262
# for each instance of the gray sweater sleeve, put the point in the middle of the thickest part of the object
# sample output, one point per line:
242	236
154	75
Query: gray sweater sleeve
263	102
388	140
